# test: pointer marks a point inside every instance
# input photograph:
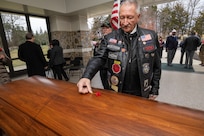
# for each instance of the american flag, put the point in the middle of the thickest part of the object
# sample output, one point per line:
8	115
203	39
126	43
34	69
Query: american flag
146	37
115	15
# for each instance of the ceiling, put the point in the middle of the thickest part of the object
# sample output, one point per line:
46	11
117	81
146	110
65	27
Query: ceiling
106	8
89	8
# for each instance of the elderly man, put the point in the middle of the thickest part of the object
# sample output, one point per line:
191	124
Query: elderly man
171	45
132	55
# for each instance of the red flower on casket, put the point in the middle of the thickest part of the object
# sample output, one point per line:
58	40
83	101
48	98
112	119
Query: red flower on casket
98	93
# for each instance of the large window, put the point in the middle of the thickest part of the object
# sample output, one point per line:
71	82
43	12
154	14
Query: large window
39	28
15	26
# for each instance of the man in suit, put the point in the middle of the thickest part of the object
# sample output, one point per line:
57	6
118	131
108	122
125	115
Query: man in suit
32	54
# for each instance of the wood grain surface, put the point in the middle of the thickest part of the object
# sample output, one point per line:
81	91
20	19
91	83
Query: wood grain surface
38	106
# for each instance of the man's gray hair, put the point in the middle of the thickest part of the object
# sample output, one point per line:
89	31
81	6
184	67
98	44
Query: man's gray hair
135	2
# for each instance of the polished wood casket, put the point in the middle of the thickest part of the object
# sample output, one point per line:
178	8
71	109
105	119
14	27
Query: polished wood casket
39	106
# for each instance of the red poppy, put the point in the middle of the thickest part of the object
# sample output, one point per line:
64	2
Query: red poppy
116	68
98	93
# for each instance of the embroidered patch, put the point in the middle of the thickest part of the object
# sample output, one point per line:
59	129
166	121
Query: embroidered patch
145	68
114	80
116	68
119	42
152	54
147	55
146	37
115	88
113	47
148	48
146	83
113	55
111	40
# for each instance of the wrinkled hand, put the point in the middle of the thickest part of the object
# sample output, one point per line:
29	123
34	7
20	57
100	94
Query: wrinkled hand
84	86
152	97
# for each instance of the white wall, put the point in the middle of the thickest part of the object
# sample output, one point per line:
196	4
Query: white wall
60	23
10	5
82	4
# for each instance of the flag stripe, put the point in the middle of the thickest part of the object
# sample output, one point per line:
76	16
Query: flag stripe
115	16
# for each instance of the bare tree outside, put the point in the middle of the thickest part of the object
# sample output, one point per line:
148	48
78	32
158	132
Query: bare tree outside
180	16
15	28
191	9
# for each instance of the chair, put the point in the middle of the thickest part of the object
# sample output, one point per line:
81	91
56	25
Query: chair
76	65
67	65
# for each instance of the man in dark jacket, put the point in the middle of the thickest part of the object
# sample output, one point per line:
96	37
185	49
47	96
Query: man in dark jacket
190	45
106	29
31	53
57	60
171	45
132	55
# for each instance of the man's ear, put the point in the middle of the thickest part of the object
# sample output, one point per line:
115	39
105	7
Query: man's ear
138	15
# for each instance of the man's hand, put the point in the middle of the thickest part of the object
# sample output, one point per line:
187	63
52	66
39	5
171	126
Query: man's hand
152	97
84	86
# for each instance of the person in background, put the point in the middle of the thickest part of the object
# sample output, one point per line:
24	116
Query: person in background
132	54
57	60
32	54
201	53
182	51
48	56
161	45
191	44
171	46
4	60
106	29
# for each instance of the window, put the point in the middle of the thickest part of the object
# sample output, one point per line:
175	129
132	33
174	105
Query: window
39	29
15	28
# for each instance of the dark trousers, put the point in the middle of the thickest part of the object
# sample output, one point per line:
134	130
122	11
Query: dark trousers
161	51
170	56
59	71
181	59
189	58
104	78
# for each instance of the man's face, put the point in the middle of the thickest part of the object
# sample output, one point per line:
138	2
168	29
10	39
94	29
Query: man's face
173	33
128	17
106	30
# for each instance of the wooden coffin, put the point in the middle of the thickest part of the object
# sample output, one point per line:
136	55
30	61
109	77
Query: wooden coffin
38	106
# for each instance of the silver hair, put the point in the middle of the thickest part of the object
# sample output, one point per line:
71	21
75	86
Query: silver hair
135	2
